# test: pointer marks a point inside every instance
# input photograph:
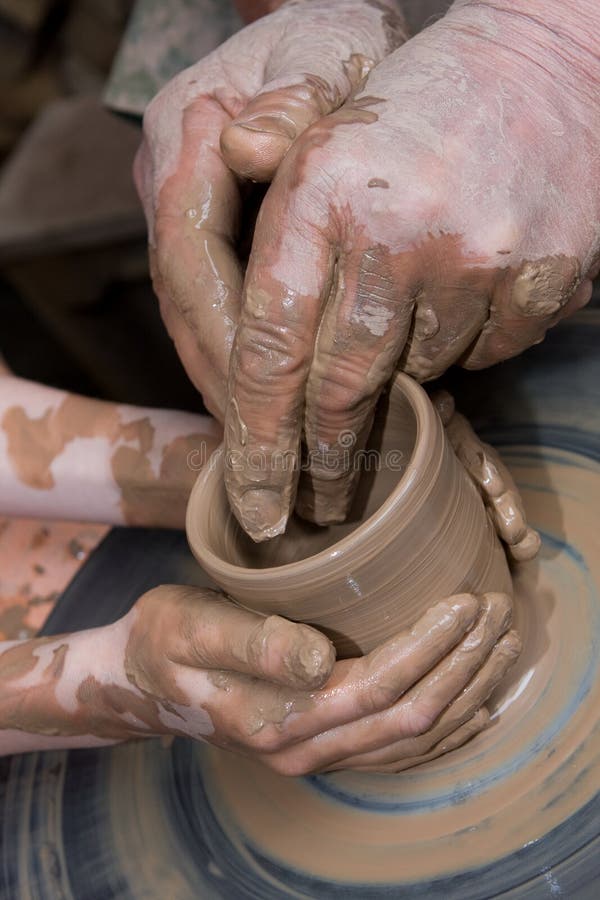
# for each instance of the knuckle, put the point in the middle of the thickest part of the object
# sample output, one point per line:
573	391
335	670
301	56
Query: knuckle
445	406
268	643
527	548
270	353
257	646
343	384
268	740
309	155
317	171
153	600
418	718
154	115
378	696
501	606
420	367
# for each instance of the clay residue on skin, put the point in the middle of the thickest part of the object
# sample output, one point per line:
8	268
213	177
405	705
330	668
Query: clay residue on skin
543	287
142	431
365	329
193	251
105	710
103	704
33	444
110	684
446	142
270	707
13	620
18	661
274	710
146	665
33	709
149	499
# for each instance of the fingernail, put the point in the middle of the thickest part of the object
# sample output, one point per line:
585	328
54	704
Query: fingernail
462	610
261	514
312	663
279	125
527	548
511	645
470	608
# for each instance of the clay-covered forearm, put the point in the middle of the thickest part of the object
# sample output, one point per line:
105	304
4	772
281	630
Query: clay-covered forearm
62	455
44	689
84	689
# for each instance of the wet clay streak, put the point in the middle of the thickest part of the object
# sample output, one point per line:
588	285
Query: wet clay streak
417	531
513	783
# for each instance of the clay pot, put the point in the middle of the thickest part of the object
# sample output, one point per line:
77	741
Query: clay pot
418	532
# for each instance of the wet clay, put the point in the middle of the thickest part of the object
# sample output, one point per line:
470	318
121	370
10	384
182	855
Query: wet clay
458	262
521	776
330	383
256	141
418	532
534	766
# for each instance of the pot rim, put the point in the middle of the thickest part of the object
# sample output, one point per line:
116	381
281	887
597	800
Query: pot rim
426	419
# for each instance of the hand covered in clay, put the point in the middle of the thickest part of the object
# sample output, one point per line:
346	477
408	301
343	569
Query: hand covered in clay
493	480
188	662
446	213
230	118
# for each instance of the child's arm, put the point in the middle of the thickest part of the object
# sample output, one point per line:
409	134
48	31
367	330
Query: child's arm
70	457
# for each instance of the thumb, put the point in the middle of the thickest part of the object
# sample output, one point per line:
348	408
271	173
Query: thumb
307	77
254	144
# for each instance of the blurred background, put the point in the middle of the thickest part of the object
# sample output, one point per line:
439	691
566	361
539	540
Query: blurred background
77	309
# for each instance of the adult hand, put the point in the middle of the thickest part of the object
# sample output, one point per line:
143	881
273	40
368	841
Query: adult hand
231	118
446	213
188	662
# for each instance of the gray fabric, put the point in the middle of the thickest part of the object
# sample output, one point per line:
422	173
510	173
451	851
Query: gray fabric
420	13
165	36
162	38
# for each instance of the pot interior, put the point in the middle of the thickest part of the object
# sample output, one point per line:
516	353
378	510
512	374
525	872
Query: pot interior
382	466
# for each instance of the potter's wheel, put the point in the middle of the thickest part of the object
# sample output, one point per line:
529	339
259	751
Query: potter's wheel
516	812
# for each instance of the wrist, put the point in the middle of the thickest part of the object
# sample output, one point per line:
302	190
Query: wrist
558	38
42	692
